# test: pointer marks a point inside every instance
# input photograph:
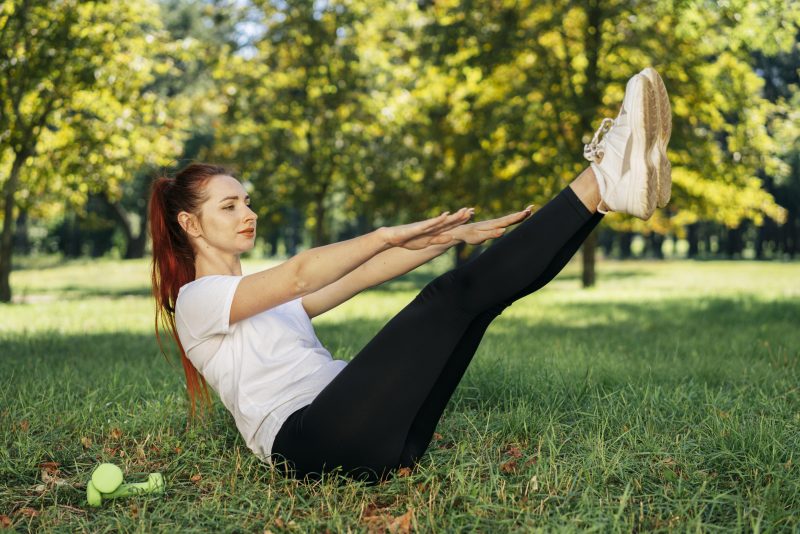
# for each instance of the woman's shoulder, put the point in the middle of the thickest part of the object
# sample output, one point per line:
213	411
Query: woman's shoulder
210	289
211	280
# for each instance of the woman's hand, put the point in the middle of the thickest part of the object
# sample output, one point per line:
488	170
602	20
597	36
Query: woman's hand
418	235
478	232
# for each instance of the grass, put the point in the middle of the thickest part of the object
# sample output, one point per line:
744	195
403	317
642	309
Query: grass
666	398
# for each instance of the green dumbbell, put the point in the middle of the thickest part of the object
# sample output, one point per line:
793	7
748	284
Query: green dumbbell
106	483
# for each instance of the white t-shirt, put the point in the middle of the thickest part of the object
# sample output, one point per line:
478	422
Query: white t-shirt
263	368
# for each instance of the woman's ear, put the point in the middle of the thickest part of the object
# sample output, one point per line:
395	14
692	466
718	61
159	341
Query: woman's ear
189	223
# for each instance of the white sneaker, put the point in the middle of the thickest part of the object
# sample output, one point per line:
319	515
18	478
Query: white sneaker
659	152
620	153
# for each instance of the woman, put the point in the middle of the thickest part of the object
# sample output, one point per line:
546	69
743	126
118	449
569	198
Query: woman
251	337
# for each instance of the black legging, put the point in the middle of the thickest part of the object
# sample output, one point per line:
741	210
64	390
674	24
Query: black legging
381	410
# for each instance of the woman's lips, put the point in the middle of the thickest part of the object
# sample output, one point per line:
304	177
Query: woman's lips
248	232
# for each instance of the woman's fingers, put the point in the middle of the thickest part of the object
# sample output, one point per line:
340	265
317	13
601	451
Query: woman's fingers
450	221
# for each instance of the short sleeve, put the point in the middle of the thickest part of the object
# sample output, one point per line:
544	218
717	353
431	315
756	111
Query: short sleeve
203	307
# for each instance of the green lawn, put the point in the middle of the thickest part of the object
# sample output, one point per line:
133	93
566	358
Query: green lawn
666	398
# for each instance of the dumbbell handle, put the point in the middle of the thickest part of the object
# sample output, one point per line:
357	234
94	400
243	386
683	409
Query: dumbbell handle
154	484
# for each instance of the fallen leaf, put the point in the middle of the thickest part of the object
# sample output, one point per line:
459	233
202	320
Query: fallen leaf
50	467
86	442
30	512
51	479
404	472
178	450
5	521
279	522
436	435
116	433
196	478
134	510
24	424
402	524
514	451
509	466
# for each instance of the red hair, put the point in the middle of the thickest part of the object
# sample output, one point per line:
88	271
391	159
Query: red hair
173	256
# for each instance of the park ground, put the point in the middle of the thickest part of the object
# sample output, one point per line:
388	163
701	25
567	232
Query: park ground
665	398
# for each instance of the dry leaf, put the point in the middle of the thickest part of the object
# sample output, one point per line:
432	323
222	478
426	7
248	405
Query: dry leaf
5	521
86	442
402	524
51	479
178	450
436	435
514	451
116	433
196	478
51	467
509	467
404	472
134	510
24	424
30	512
279	522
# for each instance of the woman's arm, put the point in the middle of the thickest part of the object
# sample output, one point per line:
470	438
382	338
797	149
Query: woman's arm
318	267
397	261
384	266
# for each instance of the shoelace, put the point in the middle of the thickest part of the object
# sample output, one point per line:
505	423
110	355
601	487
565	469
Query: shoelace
592	151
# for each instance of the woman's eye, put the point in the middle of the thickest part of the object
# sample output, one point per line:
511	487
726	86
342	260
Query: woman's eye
228	208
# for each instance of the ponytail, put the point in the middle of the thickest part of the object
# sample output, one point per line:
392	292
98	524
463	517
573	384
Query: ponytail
173	258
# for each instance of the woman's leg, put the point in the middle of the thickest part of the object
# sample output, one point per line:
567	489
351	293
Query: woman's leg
362	419
421	431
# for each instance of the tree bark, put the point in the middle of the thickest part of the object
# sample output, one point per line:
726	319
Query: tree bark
593	45
589	246
656	241
6	241
693	237
625	239
21	241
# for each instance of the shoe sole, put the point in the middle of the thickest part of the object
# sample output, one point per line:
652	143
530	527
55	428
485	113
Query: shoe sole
645	130
659	152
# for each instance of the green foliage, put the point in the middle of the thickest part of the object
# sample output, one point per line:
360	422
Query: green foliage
75	98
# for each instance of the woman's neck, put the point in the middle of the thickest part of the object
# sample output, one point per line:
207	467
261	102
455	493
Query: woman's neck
226	265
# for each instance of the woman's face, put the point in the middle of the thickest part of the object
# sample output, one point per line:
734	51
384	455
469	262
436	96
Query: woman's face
225	222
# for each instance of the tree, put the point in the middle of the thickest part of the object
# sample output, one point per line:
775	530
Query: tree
71	91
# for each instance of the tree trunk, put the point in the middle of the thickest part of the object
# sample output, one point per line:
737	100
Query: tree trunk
319	228
593	46
656	242
589	246
733	242
21	241
693	237
791	233
6	243
625	240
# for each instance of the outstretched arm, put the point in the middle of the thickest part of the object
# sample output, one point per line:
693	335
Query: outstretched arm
397	261
382	267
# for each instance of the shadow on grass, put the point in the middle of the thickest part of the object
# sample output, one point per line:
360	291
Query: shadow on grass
680	339
416	280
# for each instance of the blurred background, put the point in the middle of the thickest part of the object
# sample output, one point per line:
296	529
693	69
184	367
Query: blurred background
344	115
